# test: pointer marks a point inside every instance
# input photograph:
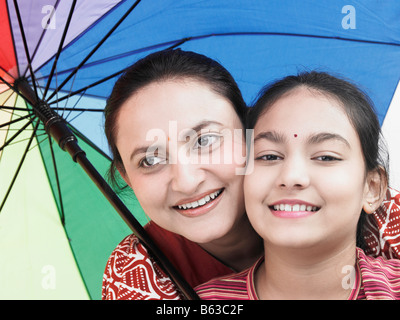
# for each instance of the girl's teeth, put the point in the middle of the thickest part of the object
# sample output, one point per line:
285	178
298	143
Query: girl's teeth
296	207
200	202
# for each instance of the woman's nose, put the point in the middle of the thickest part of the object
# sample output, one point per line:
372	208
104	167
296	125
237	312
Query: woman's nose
186	177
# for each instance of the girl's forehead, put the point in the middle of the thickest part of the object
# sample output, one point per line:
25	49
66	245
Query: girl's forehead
303	111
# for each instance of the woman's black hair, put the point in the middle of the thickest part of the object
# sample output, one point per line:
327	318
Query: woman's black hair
166	65
356	104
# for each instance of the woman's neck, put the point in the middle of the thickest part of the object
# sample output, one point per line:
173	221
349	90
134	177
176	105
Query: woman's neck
305	274
239	249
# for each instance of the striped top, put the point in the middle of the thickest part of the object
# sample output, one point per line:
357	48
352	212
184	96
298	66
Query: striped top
375	278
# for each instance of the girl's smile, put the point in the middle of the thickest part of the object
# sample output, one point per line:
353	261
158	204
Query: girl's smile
306	169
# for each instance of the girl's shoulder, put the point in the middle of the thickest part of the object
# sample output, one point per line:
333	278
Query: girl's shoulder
131	274
380	276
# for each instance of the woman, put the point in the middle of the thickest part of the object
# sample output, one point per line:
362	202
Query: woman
174	122
317	174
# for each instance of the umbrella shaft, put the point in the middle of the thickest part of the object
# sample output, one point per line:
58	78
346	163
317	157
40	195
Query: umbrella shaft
54	124
136	227
57	127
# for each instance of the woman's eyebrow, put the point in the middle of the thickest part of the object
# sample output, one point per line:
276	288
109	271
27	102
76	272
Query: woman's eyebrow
140	150
184	133
197	128
325	136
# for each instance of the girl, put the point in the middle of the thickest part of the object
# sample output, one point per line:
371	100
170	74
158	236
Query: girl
174	123
317	174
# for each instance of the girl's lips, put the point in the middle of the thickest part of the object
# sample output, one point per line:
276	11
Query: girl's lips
202	205
293	209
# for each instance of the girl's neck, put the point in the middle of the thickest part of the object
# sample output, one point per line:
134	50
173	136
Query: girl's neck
297	274
239	249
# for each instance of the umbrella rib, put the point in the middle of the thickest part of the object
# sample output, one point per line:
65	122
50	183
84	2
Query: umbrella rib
16	134
60	48
94	49
13	88
176	44
42	35
19	166
57	181
87	87
5	124
21	27
73	107
6	72
13	108
294	35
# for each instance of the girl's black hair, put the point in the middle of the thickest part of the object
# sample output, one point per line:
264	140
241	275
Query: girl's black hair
356	104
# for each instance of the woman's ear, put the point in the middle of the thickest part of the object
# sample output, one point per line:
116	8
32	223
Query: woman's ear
375	189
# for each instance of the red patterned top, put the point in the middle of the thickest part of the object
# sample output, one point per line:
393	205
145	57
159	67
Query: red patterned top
131	274
375	279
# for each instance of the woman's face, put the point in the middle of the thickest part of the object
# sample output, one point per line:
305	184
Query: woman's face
308	185
181	155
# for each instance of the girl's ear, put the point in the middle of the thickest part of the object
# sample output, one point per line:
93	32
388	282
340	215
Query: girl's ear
375	189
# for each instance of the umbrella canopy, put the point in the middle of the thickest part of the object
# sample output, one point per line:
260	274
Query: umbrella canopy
56	228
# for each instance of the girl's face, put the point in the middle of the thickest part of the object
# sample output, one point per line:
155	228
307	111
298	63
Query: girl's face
309	180
181	154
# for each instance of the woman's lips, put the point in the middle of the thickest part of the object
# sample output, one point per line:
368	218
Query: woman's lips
200	204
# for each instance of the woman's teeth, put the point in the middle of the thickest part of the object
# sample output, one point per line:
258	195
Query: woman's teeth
200	202
295	207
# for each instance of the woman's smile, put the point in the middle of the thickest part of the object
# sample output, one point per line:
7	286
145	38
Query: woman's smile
179	177
203	205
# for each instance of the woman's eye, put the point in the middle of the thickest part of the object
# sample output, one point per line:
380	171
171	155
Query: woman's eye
150	161
206	141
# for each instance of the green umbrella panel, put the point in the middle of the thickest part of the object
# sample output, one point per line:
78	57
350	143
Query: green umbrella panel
52	246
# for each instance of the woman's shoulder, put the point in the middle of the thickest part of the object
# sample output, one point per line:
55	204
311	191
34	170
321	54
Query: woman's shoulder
194	263
131	274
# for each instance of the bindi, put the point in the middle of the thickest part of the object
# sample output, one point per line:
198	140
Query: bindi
295	135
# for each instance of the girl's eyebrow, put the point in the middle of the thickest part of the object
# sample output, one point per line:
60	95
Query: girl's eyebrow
272	136
325	136
316	138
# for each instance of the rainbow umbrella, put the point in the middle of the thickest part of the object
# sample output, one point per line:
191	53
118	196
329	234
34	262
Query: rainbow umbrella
57	228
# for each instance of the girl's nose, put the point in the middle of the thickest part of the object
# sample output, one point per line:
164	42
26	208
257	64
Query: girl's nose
294	174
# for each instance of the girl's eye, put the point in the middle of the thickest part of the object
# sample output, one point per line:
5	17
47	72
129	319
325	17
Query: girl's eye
206	140
269	157
327	158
